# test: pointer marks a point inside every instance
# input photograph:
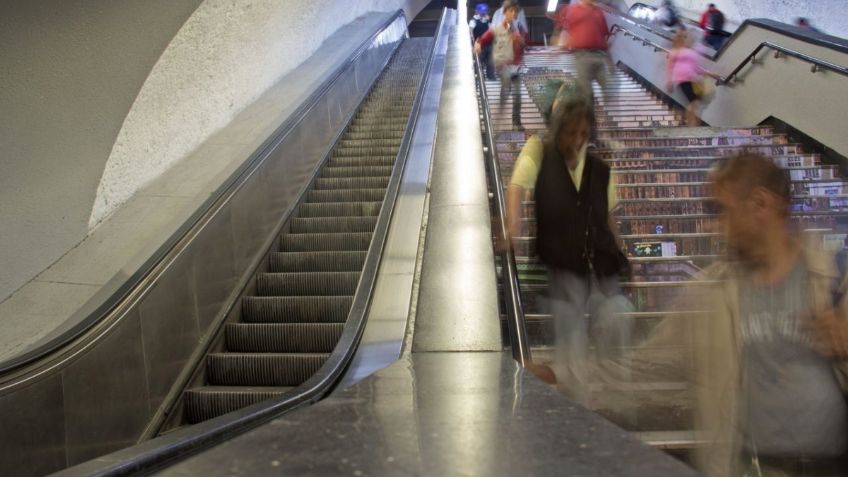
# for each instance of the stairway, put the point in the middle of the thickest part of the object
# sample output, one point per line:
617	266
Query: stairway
665	217
292	322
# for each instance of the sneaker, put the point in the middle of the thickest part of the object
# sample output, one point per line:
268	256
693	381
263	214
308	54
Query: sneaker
517	126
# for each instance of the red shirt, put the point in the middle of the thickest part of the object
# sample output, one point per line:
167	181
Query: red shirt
586	26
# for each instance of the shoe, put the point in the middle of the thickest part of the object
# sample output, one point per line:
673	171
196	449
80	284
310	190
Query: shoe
517	126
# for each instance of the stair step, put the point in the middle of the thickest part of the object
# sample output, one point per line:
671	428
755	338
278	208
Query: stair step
339	209
262	369
333	224
351	183
313	242
296	309
316	261
283	337
307	283
206	402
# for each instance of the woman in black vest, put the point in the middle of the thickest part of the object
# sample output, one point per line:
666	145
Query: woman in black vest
575	238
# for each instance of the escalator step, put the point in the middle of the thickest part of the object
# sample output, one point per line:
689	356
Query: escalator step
262	369
346	195
369	142
283	337
316	262
307	283
351	182
295	309
366	151
362	171
325	242
331	225
361	161
377	134
212	401
339	209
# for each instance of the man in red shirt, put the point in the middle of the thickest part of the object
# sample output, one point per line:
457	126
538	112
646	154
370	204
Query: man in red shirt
586	27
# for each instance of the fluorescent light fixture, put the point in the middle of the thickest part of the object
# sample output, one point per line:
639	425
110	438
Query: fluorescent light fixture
552	4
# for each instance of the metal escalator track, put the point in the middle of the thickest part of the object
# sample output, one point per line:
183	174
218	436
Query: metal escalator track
296	314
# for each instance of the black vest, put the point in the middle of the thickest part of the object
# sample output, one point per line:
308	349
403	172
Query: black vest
572	228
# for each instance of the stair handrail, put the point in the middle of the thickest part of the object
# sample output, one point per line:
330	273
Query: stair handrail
779	52
818	63
516	322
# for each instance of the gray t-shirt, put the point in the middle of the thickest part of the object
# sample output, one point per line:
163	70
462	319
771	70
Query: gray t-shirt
794	403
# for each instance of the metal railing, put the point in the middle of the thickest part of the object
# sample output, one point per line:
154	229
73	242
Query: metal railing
509	269
779	52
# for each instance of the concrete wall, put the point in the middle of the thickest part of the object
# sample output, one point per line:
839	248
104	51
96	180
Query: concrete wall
825	15
100	97
70	72
225	56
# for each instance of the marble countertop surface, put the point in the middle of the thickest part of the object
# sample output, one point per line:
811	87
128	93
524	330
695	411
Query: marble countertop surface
438	413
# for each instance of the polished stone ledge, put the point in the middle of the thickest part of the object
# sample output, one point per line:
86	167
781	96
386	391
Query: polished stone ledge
439	414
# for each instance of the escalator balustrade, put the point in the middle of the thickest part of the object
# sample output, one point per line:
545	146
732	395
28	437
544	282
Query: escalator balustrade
292	321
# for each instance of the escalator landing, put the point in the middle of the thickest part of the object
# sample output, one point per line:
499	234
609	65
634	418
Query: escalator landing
475	413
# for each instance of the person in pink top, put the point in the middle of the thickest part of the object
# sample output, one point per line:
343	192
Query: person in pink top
684	70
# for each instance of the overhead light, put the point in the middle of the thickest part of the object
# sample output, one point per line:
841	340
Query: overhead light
552	4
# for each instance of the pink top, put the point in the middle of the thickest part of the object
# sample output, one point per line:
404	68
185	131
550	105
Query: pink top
684	65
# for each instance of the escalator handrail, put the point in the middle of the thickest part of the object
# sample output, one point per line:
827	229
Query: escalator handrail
126	288
516	322
181	443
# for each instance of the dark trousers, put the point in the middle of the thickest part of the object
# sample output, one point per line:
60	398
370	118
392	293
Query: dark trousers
714	40
511	82
488	66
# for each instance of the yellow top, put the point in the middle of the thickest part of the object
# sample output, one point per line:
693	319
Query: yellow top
529	163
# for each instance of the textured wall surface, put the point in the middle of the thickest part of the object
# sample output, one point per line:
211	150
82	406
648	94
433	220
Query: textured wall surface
223	58
100	97
69	73
826	15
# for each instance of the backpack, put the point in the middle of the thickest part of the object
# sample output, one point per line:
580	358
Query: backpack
481	26
715	21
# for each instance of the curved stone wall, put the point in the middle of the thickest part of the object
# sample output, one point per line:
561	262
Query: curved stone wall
69	72
101	97
224	57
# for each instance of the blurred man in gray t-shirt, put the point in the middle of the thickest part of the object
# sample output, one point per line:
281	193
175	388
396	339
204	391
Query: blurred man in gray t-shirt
769	401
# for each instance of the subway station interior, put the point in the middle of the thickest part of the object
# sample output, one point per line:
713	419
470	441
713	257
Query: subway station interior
254	237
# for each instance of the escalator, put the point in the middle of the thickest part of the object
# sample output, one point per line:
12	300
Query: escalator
302	228
295	316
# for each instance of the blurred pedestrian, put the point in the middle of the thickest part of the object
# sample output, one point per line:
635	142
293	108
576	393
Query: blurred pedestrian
520	20
575	235
509	40
804	24
712	22
587	36
667	17
770	355
479	25
684	71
